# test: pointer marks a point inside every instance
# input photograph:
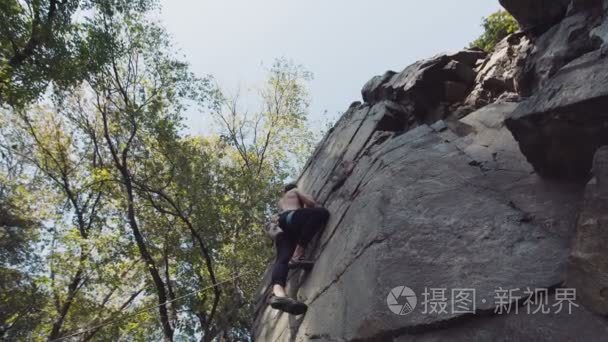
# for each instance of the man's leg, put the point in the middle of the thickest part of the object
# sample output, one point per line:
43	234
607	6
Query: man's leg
309	221
285	245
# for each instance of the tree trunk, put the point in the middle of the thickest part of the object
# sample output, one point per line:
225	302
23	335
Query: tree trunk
151	265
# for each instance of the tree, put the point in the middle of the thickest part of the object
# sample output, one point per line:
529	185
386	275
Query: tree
78	263
269	144
278	131
21	298
139	98
75	149
44	42
496	26
193	181
141	231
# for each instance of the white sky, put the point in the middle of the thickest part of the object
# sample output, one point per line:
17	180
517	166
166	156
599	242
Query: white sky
343	42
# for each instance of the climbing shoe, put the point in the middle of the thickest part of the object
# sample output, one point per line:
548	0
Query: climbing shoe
288	305
300	263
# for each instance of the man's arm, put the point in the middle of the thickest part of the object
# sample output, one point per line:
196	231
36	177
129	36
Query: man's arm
306	199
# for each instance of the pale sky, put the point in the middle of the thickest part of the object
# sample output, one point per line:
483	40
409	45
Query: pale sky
342	42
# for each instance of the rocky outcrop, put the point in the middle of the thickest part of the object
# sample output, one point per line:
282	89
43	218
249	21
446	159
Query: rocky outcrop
539	15
561	44
501	74
536	14
428	87
565	77
560	127
462	171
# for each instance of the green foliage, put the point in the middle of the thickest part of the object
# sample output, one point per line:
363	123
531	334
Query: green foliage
54	41
278	132
21	298
496	26
124	210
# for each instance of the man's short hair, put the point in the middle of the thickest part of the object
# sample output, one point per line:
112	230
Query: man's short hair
289	186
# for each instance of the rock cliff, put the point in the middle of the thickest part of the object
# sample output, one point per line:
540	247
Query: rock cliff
466	171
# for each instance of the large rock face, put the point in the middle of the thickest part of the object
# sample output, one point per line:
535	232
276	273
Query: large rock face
449	176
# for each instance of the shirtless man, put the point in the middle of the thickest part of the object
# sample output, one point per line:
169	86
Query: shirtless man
299	218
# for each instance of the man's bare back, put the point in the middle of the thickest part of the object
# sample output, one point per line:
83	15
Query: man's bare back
295	199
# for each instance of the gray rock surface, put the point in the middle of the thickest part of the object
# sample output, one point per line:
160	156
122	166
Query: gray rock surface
460	71
560	126
427	86
580	326
465	171
565	75
501	72
569	39
588	266
424	208
536	14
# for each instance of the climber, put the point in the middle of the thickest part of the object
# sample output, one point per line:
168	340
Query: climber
300	218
